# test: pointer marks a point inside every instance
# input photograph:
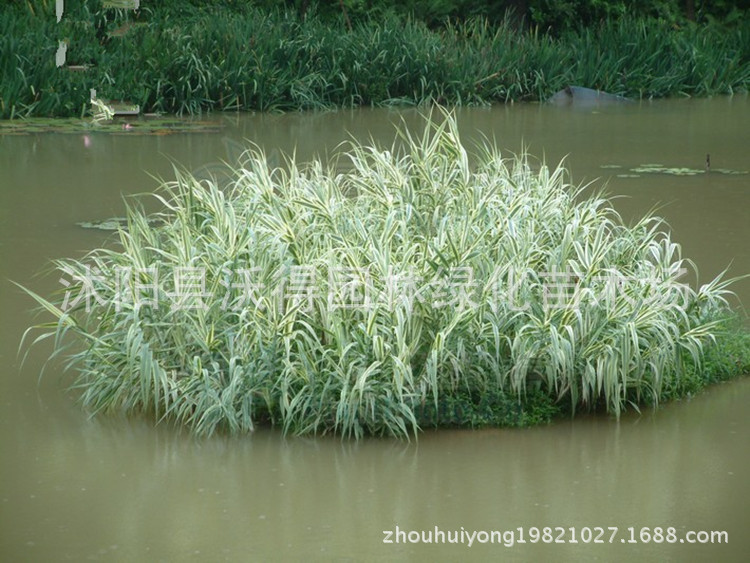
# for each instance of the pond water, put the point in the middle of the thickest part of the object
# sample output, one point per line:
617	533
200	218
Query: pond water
73	488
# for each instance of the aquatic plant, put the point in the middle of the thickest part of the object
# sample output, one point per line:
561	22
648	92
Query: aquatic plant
185	59
652	168
408	288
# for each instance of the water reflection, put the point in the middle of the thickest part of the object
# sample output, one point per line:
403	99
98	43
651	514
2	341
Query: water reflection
160	493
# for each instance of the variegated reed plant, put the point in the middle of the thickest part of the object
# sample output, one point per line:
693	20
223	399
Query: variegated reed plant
328	301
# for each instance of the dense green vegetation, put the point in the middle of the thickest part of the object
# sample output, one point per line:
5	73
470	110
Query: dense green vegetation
188	57
404	290
555	16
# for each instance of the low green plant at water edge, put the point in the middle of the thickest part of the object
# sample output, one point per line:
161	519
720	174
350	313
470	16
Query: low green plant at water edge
725	358
411	289
182	59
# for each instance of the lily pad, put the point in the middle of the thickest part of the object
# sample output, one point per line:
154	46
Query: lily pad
106	225
730	172
683	171
659	169
654	169
112	224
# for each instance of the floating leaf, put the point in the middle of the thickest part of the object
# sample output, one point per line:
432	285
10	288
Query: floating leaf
113	223
656	169
730	172
683	171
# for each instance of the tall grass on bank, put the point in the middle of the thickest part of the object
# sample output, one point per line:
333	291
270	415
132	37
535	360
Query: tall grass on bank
372	300
191	60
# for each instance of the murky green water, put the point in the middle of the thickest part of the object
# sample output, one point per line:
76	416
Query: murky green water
117	490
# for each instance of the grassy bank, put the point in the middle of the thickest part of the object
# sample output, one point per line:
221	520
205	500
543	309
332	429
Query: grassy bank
192	60
411	291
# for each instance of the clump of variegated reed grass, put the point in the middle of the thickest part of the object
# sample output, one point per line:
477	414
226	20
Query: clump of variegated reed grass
410	289
181	59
